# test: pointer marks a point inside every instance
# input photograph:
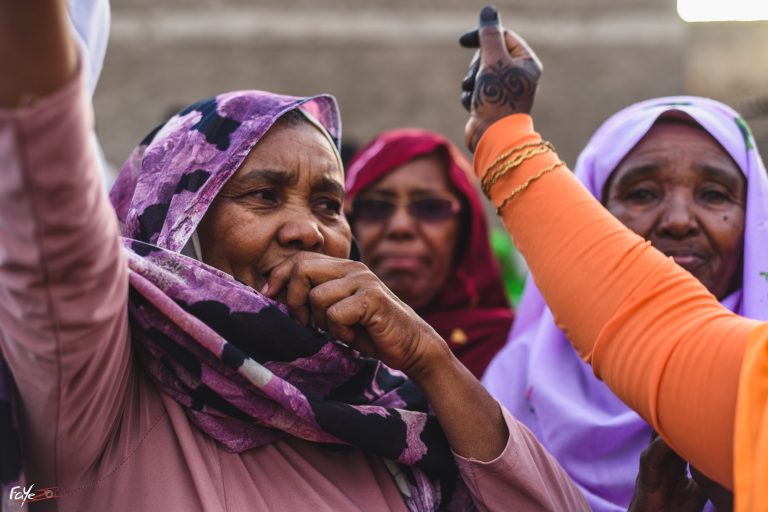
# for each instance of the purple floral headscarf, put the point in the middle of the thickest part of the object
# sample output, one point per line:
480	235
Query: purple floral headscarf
540	377
246	373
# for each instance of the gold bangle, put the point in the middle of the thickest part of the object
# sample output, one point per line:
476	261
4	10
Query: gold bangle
527	183
521	147
491	180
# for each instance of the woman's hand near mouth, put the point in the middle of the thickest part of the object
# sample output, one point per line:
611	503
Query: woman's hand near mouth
346	299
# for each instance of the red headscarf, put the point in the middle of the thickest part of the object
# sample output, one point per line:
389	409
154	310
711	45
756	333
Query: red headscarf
471	312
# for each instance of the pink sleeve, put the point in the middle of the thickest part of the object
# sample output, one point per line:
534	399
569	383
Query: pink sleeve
63	285
525	477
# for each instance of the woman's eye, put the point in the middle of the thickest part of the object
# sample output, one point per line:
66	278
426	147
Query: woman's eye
714	196
329	206
266	195
642	195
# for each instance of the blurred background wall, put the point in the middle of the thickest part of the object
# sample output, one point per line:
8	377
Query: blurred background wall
397	62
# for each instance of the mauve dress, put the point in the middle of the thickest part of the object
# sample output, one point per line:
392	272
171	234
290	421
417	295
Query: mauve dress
92	422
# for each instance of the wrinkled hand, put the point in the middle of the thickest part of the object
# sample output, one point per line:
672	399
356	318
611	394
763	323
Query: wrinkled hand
348	301
663	482
502	79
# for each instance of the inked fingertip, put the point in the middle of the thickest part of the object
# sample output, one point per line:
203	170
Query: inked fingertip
489	16
470	39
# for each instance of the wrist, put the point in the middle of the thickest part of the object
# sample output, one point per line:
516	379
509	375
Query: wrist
512	130
434	361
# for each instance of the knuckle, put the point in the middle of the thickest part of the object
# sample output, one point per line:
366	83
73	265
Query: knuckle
373	297
361	273
333	314
301	262
315	296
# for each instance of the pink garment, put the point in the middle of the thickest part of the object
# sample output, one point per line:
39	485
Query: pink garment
92	422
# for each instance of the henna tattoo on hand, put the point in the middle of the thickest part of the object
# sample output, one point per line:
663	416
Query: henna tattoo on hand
506	85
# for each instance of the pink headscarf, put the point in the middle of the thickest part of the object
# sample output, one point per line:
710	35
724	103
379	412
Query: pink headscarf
473	300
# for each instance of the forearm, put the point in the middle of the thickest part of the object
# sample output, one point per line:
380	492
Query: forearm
501	462
650	330
63	282
37	53
470	417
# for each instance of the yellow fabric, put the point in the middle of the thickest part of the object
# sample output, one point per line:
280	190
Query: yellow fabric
650	330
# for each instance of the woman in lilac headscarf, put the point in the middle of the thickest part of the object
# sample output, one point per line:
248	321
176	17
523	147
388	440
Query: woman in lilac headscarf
540	377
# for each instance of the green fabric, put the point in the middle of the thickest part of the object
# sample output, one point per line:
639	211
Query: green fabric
513	267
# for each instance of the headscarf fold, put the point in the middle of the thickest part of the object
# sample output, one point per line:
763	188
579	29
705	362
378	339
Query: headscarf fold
244	371
539	376
471	311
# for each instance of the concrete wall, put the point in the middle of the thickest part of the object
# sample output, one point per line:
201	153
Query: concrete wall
396	62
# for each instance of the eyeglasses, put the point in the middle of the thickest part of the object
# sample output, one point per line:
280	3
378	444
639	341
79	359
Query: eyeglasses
432	209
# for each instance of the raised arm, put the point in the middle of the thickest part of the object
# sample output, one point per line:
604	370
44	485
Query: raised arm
37	54
650	330
63	280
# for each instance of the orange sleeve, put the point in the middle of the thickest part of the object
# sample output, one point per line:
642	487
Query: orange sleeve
650	330
751	447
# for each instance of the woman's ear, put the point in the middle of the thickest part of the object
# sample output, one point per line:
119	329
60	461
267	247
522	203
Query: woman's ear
354	251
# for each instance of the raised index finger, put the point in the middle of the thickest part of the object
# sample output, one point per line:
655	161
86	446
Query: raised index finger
492	45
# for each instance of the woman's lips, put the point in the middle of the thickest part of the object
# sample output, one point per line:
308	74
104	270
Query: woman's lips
400	262
687	260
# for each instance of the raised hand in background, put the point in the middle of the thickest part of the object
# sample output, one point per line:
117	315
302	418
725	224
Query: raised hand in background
503	76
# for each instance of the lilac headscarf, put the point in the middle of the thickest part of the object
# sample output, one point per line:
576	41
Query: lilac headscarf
245	372
539	376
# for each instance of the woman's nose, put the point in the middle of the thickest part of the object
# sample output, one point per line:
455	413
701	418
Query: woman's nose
301	231
401	223
678	218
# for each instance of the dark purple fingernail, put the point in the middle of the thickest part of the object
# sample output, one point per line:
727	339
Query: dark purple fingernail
489	16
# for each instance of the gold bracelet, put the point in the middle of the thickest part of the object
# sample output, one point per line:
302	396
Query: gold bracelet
491	180
521	147
525	185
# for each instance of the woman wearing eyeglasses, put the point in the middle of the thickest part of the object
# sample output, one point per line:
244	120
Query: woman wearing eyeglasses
422	230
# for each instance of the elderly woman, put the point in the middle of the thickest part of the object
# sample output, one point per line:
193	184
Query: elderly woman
156	372
656	336
422	230
676	172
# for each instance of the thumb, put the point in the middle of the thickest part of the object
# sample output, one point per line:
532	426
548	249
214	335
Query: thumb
492	45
